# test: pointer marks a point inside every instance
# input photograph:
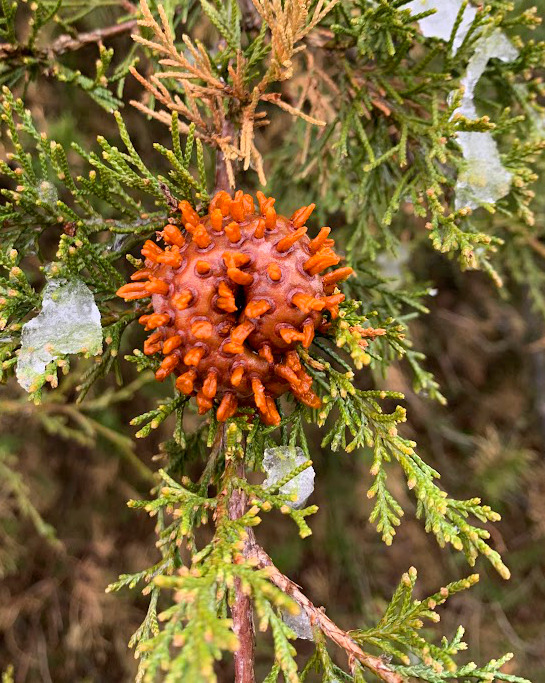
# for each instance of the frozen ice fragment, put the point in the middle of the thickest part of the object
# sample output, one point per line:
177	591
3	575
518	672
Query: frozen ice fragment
496	45
483	179
278	462
441	23
299	624
69	322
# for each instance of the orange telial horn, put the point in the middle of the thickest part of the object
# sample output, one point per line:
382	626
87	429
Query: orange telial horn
259	394
184	383
171	343
255	309
216	220
201	238
288	241
230	299
259	231
337	275
157	286
194	355
157	320
172	235
227	407
301	216
288	374
202	329
153	343
221	201
319	241
237	210
142	274
226	298
321	260
262	200
238	336
266	352
237	375
274	271
233	232
202	267
132	291
333	300
210	384
189	215
293	361
239	277
181	300
270	415
307	303
308	334
204	403
290	335
150	250
167	366
270	218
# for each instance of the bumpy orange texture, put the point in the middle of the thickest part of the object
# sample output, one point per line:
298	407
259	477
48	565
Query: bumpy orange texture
232	294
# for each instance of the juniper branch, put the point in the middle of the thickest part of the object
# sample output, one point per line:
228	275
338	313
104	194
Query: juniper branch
319	618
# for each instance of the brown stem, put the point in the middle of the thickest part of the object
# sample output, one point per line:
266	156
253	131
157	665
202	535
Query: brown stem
318	617
66	43
241	611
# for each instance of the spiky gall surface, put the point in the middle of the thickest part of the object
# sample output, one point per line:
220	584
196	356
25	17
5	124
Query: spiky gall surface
233	293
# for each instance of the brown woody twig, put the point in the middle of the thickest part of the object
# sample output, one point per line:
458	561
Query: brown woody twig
66	43
318	617
241	611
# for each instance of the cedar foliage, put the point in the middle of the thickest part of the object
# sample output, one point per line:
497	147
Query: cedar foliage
343	102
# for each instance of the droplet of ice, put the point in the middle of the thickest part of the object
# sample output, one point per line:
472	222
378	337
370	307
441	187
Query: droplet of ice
69	322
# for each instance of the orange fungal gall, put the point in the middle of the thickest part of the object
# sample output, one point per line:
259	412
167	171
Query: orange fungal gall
232	296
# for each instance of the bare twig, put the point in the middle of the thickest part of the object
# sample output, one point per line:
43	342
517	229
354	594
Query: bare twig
67	43
241	611
318	617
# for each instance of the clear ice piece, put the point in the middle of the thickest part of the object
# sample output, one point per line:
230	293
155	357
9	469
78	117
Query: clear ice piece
278	462
69	322
441	23
299	624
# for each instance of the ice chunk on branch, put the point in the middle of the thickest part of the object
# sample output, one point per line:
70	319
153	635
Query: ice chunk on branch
69	322
278	463
441	23
299	624
483	179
